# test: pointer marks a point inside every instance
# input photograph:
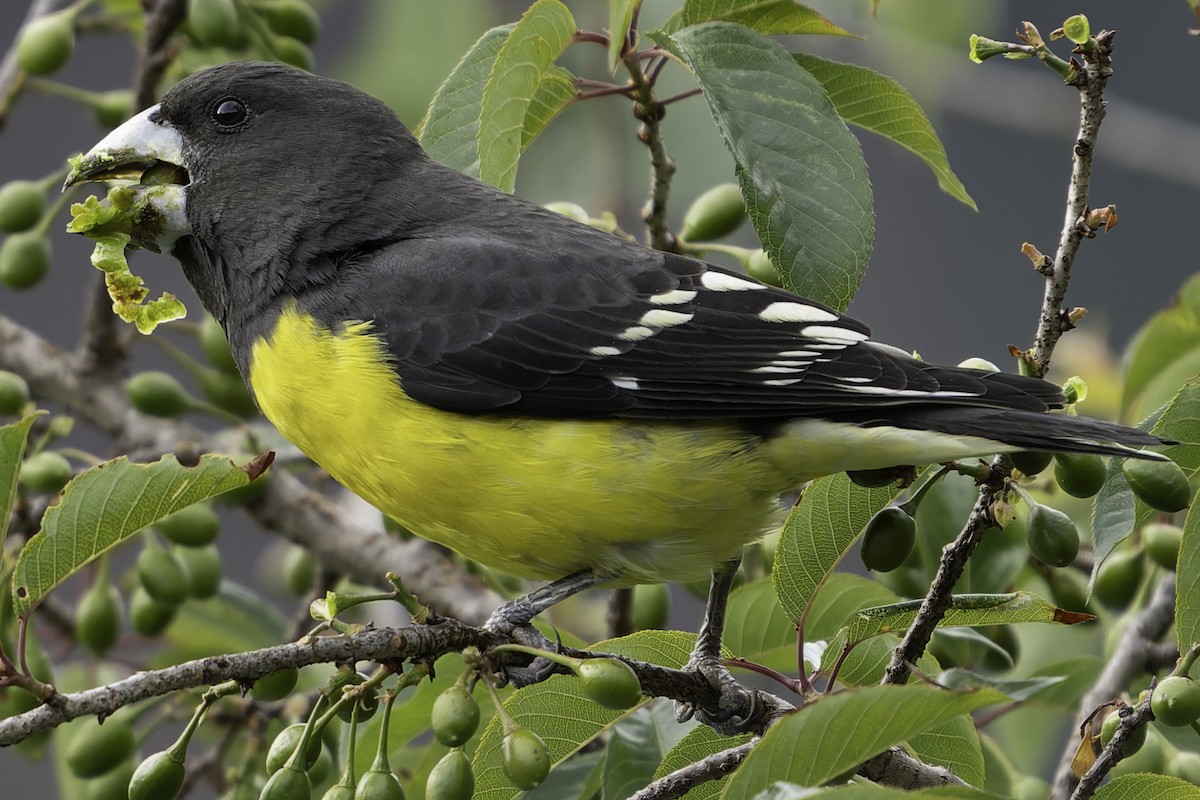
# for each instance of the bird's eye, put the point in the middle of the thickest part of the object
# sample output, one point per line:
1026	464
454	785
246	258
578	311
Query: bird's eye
229	113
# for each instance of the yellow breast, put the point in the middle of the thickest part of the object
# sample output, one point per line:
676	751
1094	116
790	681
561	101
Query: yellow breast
534	497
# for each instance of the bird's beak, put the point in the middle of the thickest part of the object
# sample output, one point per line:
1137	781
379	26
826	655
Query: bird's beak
141	145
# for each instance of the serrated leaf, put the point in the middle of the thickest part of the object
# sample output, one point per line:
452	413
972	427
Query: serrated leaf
558	710
577	779
840	597
637	746
870	791
103	506
838	732
1014	689
620	17
830	515
554	93
699	743
801	170
1169	337
953	744
764	16
525	57
879	104
1187	574
1142	785
12	449
758	629
964	610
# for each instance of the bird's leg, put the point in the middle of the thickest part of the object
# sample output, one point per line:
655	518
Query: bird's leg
514	619
735	704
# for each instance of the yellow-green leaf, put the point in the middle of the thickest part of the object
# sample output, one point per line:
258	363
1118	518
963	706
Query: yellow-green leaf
620	17
953	744
1164	353
1143	785
699	743
965	609
764	16
12	449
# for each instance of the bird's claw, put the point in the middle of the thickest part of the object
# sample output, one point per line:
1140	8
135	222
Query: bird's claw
517	668
735	708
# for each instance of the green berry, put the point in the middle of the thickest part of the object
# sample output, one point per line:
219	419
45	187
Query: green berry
98	617
1118	579
1185	765
213	22
1176	701
1068	589
45	473
455	716
46	43
245	495
24	260
1109	729
286	743
1053	538
196	525
651	606
1162	485
888	539
760	267
611	683
714	214
159	777
1031	463
21	205
227	392
147	616
97	749
293	51
112	785
1162	542
525	759
294	18
162	574
378	784
215	346
287	784
275	686
1030	787
203	567
14	394
569	210
299	570
157	394
339	791
451	778
113	108
1079	474
981	364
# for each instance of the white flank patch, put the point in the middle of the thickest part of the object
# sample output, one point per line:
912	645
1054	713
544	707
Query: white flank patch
832	334
673	298
795	312
720	282
661	318
605	351
636	334
624	383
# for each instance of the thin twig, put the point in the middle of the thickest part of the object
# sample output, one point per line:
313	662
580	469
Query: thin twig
650	112
709	768
1114	751
620	613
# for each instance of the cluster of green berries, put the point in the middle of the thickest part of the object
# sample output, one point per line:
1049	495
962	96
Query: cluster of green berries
280	29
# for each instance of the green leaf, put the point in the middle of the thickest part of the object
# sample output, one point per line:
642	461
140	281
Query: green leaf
965	609
554	93
637	746
758	629
525	57
879	104
1142	785
620	17
953	744
870	791
801	170
107	504
830	515
842	595
835	733
12	449
1168	340
1077	673
578	778
1014	689
563	715
764	16
1187	573
699	743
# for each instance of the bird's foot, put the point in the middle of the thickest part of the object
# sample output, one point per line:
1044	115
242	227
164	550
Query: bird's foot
512	621
736	708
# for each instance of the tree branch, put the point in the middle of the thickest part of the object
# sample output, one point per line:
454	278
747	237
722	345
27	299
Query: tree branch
650	112
683	780
1114	751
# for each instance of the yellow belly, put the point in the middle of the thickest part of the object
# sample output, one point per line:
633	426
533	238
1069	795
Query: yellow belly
534	497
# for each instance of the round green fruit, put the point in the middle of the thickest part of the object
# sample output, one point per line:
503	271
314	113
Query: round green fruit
203	567
285	744
159	777
196	525
97	749
147	616
299	570
451	778
714	214
378	784
1068	589
215	345
1118	578
113	108
1079	474
293	51
1185	765
651	606
1031	463
14	394
339	791
98	618
367	702
1176	701
1162	542
455	716
888	539
46	43
760	267
294	18
569	210
45	473
21	205
213	22
162	574
525	759
1053	538
1109	729
287	784
228	393
275	686
611	683
157	394
112	785
1162	485
24	260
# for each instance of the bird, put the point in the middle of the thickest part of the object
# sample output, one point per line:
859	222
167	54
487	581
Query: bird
542	397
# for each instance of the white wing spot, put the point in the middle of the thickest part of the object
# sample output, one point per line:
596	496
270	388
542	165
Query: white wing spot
773	368
782	381
799	353
833	334
661	318
624	383
720	282
795	312
636	334
605	351
673	298
852	379
907	392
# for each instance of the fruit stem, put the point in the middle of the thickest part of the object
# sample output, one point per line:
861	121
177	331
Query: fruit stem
558	658
419	613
